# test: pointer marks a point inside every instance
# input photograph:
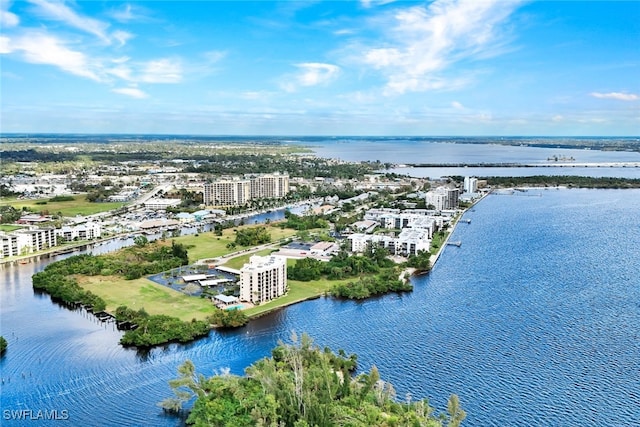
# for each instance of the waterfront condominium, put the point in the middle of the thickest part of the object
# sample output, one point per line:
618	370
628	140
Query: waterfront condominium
26	241
237	191
263	279
269	185
227	192
443	198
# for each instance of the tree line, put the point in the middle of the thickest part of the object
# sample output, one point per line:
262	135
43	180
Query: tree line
559	180
376	273
148	330
301	385
157	329
300	223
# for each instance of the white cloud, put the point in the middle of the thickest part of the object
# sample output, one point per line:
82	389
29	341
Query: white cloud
256	95
133	92
457	105
311	74
41	48
130	12
369	3
620	96
314	73
121	71
213	56
161	71
344	32
7	19
122	37
58	11
422	42
4	45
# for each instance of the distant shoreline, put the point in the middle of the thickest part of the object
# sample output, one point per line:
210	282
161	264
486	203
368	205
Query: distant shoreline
522	165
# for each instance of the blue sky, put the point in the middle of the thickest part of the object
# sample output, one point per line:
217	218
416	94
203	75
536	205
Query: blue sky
476	67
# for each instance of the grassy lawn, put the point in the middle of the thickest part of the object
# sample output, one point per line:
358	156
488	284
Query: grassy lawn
78	206
298	291
9	228
155	298
241	260
208	245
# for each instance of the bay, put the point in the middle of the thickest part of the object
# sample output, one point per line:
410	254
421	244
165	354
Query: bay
421	150
534	320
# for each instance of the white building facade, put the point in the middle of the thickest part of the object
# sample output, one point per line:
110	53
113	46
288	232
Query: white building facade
161	204
238	191
27	241
269	185
443	198
227	192
87	231
263	279
470	184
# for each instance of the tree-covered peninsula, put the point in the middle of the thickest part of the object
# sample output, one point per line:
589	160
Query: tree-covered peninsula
3	345
301	385
59	279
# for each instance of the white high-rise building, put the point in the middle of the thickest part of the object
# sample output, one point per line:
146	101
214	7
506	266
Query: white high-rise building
269	185
443	198
470	184
227	192
238	191
263	279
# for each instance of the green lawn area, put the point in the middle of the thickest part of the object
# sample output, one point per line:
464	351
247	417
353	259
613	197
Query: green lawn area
78	206
298	291
208	245
7	228
241	260
155	298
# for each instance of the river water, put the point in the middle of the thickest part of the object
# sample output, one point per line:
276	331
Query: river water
533	320
414	151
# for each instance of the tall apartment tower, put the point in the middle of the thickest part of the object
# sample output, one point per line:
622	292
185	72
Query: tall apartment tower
227	192
470	184
238	191
443	198
269	185
263	279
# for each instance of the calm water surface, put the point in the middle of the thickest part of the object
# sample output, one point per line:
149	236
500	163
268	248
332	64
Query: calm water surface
534	320
428	151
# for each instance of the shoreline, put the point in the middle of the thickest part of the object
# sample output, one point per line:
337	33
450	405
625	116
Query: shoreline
407	273
412	272
435	257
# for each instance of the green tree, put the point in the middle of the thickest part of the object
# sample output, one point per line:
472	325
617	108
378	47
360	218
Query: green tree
420	261
299	385
3	345
252	236
456	413
140	241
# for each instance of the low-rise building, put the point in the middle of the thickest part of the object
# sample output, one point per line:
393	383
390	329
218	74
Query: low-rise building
411	241
27	241
86	231
161	203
